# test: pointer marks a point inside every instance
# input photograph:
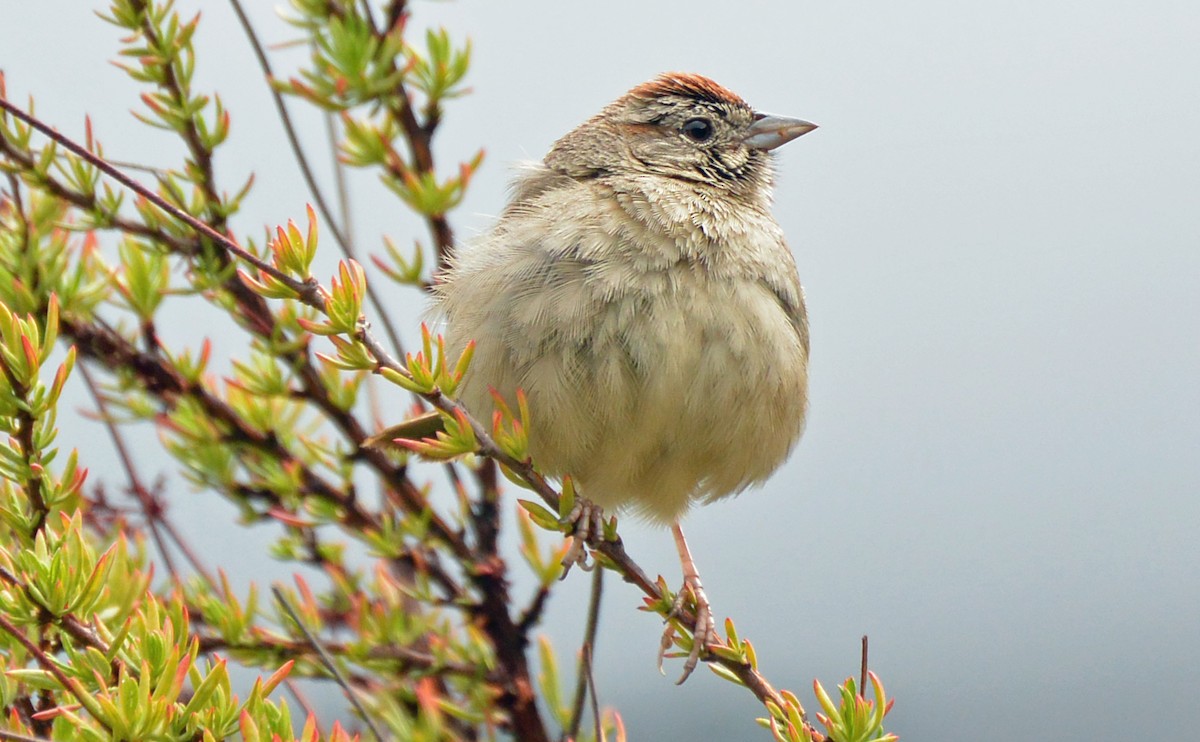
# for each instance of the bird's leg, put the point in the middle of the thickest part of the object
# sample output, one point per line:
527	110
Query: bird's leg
587	523
703	632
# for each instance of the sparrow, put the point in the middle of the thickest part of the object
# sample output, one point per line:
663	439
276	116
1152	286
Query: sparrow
640	292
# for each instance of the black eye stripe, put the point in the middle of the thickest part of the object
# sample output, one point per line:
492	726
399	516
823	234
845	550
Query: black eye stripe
697	129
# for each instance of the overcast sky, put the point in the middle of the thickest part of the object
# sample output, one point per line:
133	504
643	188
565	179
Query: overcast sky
998	229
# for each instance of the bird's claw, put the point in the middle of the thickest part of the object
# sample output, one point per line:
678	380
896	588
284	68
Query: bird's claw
703	631
587	522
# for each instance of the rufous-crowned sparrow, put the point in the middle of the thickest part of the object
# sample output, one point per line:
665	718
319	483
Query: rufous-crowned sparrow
640	292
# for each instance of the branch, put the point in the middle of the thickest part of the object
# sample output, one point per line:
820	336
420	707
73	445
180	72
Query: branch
329	664
151	509
341	238
584	681
310	292
418	136
405	655
26	422
50	666
201	153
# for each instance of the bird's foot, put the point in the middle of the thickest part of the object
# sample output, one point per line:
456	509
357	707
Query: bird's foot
587	524
703	629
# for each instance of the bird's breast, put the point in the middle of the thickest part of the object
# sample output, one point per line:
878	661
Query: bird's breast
676	385
665	361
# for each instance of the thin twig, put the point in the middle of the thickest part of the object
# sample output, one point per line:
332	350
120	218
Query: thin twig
328	662
190	132
157	172
339	229
401	655
862	682
49	666
309	292
340	186
309	711
591	678
150	509
367	13
332	224
418	135
585	679
87	202
533	612
188	552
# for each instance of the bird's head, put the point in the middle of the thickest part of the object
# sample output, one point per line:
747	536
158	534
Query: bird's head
680	126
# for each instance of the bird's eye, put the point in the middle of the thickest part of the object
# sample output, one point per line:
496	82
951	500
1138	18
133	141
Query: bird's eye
698	130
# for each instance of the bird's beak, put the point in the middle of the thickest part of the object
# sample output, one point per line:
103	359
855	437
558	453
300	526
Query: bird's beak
769	132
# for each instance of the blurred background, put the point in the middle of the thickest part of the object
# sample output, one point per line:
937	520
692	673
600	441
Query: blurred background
998	228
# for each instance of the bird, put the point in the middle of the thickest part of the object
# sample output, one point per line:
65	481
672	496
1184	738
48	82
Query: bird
640	292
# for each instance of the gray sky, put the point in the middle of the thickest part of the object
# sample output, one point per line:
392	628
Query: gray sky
998	228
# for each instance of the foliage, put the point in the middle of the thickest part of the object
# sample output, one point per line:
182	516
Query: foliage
423	635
